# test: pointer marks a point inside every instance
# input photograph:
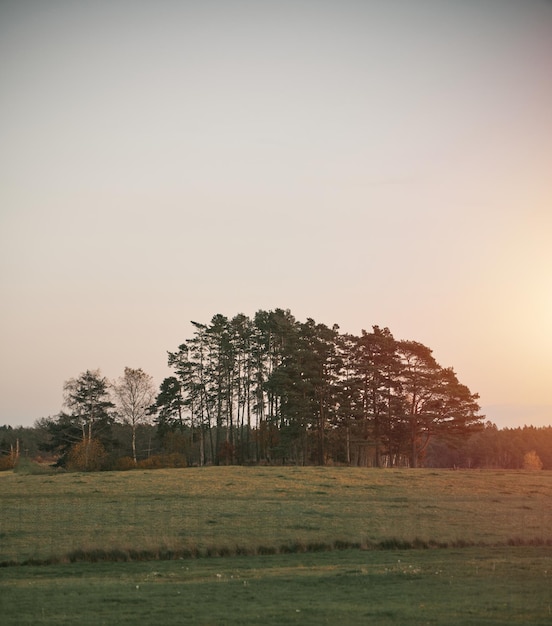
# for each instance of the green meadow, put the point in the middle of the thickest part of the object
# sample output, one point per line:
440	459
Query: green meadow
278	545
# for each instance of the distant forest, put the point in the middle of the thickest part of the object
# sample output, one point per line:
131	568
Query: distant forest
273	390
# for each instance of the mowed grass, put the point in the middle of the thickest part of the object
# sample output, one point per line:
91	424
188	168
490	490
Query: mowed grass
228	510
446	586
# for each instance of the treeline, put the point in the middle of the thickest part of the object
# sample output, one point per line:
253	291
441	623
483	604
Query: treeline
271	389
492	448
526	447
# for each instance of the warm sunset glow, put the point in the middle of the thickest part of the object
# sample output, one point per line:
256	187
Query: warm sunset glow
360	163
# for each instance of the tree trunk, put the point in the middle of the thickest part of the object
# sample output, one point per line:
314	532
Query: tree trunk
348	443
414	447
134	444
201	445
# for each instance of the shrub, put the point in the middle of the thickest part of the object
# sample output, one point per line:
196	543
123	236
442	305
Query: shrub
160	461
88	455
29	467
531	461
124	463
6	462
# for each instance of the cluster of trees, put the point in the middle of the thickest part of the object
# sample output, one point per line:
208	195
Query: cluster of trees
275	389
82	437
272	389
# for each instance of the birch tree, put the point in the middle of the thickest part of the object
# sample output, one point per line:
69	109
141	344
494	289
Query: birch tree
134	393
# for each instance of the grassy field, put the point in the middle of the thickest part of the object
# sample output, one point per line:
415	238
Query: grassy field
448	586
251	509
278	529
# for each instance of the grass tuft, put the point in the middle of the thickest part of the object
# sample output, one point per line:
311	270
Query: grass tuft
395	544
317	546
295	547
163	553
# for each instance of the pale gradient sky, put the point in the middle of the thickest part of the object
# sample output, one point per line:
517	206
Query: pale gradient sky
357	162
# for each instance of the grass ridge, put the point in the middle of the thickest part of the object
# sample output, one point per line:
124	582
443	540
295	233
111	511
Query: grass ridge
121	555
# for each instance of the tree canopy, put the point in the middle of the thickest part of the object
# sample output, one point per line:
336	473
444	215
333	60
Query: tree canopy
80	435
272	388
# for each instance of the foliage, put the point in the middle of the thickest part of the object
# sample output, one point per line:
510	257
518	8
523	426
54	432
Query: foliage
61	435
87	455
75	437
28	467
87	397
134	393
273	389
124	463
27	439
531	461
490	448
160	461
493	448
6	463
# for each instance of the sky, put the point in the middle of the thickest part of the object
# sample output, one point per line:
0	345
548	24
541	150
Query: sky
357	162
